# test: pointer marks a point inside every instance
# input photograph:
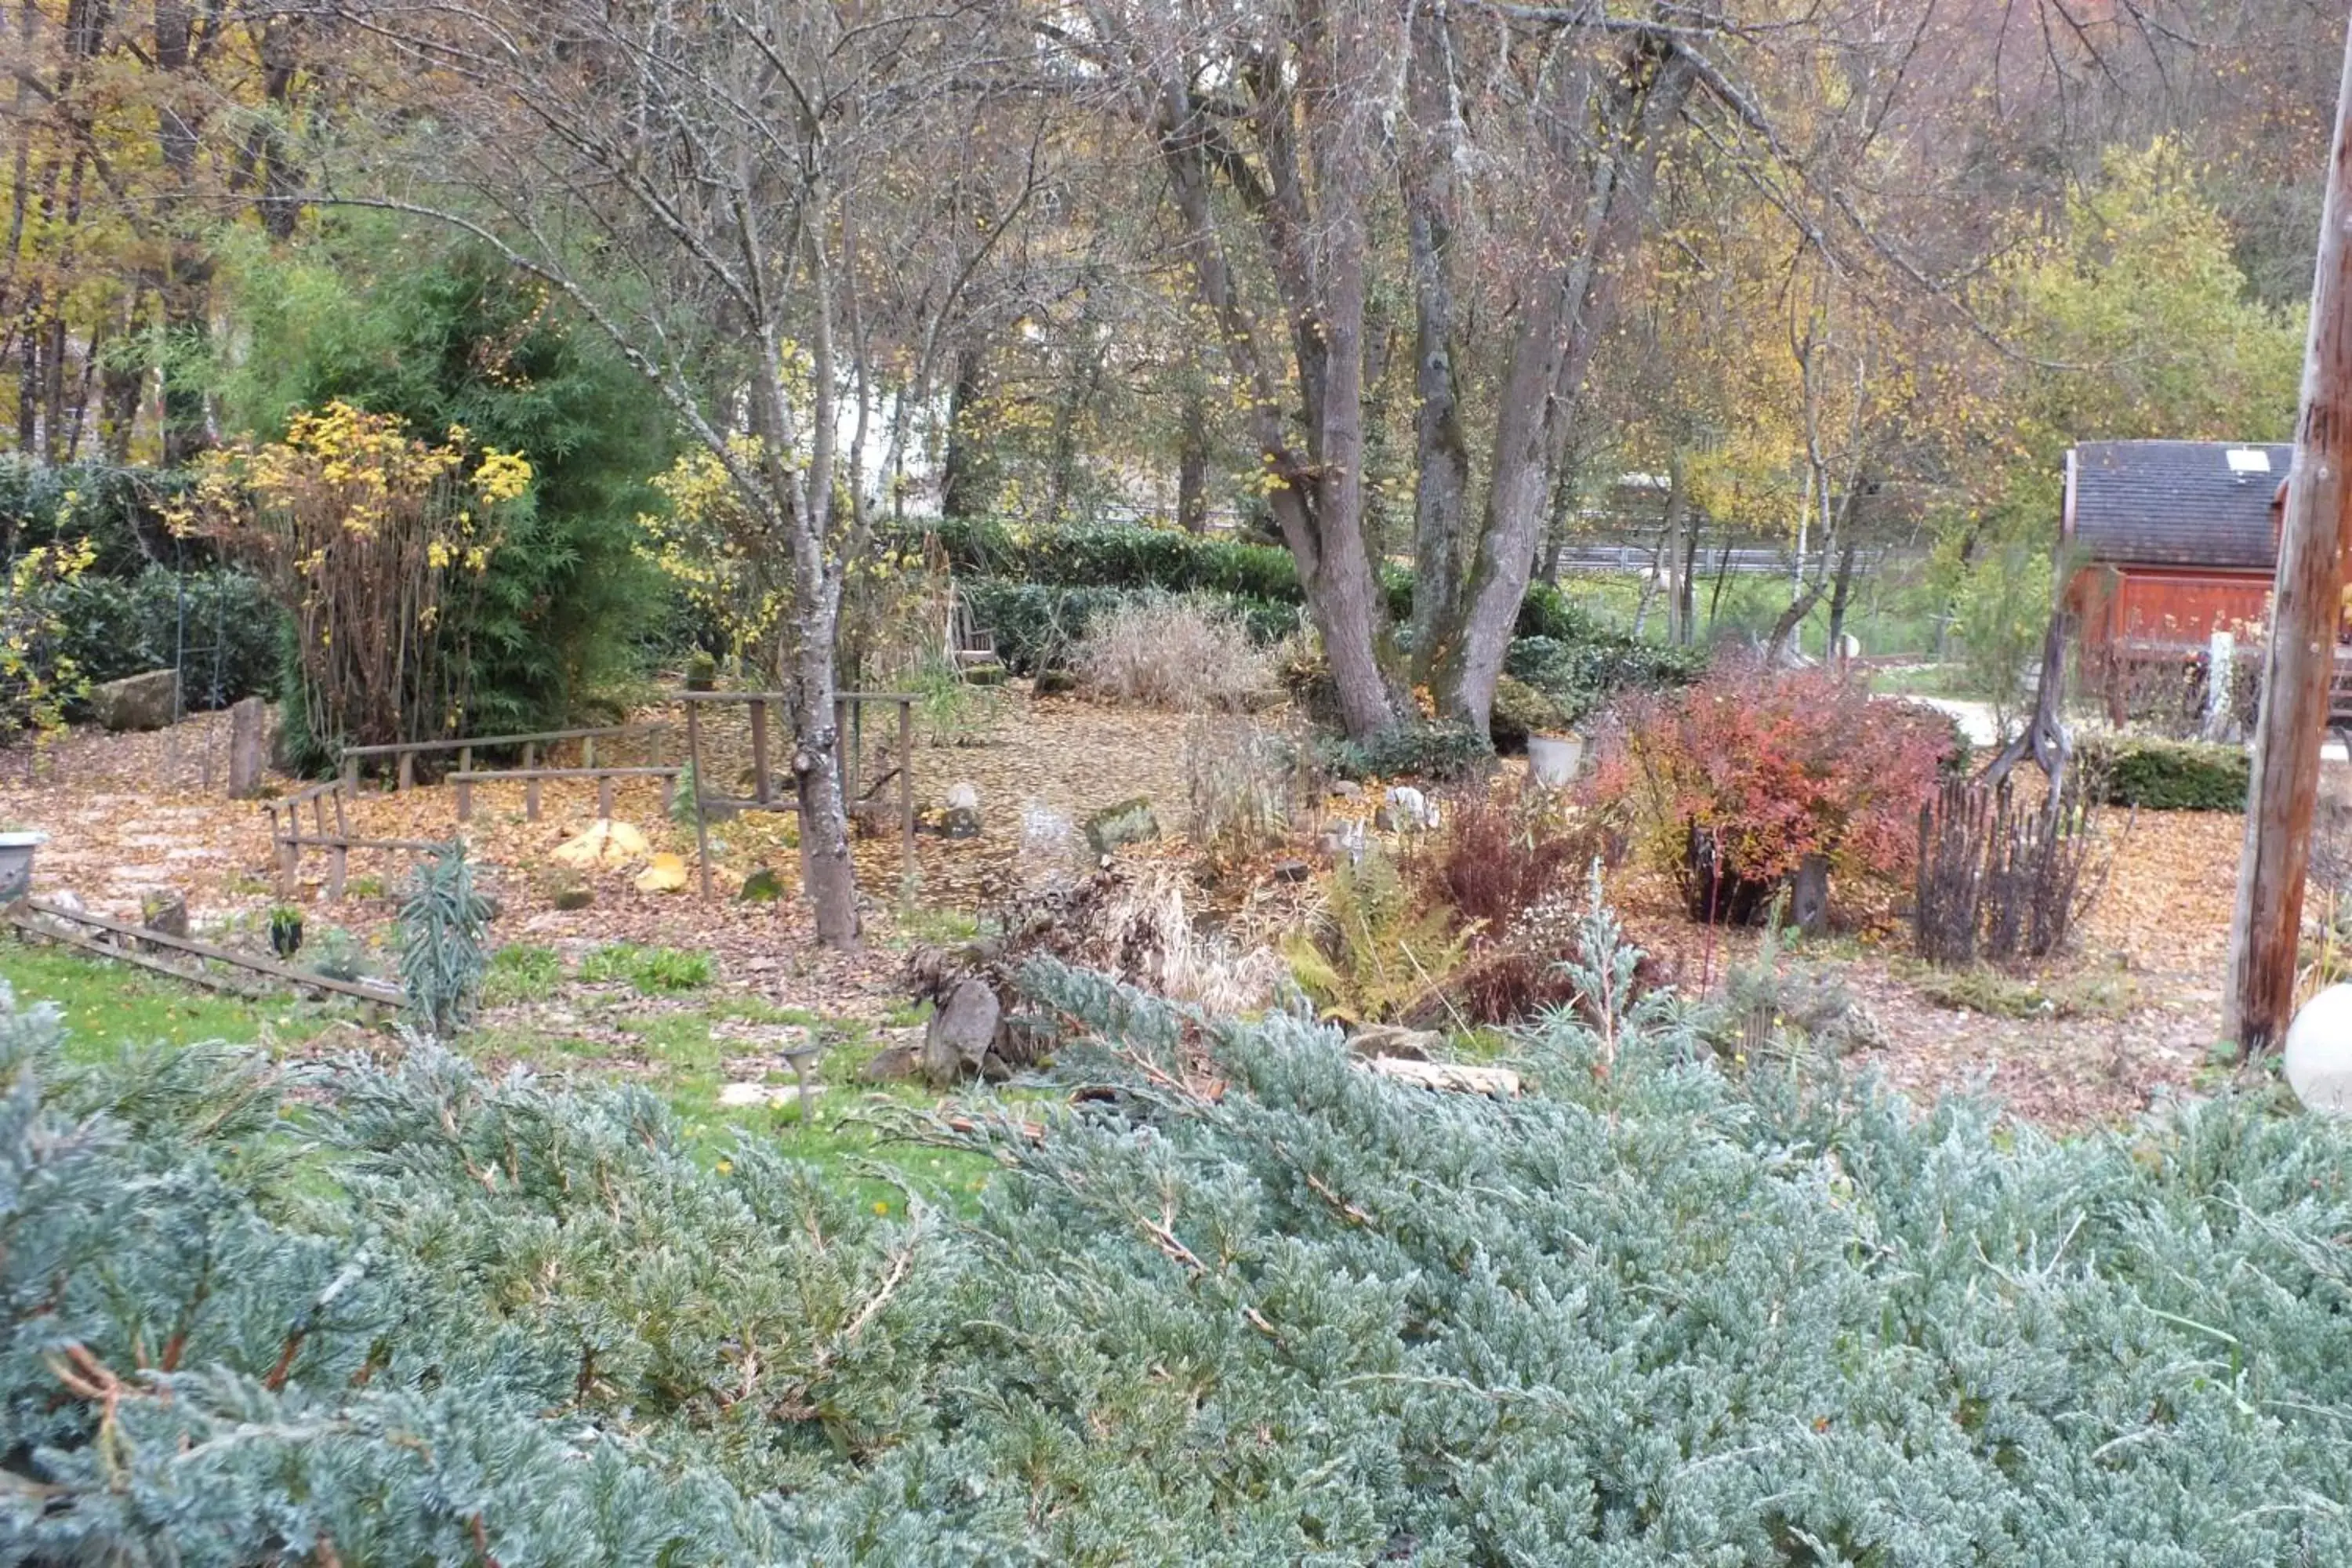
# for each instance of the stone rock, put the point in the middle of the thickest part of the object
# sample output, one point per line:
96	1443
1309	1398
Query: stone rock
762	886
1809	895
737	1094
1347	789
1050	842
961	1031
165	912
606	844
983	675
247	720
1459	1077
1345	840
574	895
961	817
1116	827
1407	810
893	1064
1394	1041
2319	1052
148	701
664	874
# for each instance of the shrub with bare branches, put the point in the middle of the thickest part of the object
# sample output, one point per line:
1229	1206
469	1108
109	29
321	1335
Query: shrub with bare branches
1511	863
1245	785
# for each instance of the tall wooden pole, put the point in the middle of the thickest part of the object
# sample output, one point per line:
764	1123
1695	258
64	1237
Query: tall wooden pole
2305	608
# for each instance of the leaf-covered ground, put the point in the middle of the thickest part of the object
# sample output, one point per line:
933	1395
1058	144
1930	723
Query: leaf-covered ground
2128	1018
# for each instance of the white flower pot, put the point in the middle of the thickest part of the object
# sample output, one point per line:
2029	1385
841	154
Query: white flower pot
1555	759
16	864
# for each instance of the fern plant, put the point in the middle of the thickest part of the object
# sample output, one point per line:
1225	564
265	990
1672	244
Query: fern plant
442	956
1382	955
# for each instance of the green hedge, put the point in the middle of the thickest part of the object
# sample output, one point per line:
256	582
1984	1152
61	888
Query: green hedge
1412	751
2169	775
118	510
1579	675
1113	556
1038	624
233	633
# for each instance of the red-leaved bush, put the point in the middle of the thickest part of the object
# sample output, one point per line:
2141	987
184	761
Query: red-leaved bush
1763	767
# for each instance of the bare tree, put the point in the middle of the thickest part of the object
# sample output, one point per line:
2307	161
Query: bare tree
697	181
1275	110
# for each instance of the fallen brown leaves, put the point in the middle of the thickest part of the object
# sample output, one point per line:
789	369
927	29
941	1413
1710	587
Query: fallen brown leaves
129	814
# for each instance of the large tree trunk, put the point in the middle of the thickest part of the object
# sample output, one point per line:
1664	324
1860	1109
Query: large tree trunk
1192	464
1317	258
184	290
816	771
1560	329
968	478
1441	445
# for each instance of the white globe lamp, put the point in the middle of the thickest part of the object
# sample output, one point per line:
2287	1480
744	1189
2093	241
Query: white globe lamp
2319	1052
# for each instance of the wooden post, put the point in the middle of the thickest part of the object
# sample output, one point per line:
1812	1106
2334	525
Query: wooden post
350	772
290	854
604	796
465	799
587	751
245	755
2259	993
906	793
530	785
339	859
465	759
762	789
407	771
694	776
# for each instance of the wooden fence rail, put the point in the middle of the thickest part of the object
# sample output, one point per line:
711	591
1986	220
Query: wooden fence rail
531	778
464	745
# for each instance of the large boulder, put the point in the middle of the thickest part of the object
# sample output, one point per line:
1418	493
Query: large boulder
1115	826
962	819
148	701
961	1031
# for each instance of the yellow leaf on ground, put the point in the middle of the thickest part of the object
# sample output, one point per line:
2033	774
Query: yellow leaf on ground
606	844
667	874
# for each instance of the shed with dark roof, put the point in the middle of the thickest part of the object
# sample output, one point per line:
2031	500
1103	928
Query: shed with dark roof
2171	541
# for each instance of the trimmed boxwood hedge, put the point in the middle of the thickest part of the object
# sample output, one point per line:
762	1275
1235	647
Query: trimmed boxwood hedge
2169	775
1038	624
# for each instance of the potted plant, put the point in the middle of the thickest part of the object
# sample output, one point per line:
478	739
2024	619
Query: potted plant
16	847
1554	758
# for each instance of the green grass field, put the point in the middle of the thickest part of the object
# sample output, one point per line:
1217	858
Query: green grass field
1892	611
107	1007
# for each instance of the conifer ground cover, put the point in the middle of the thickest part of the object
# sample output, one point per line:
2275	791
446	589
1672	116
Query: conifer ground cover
1652	1311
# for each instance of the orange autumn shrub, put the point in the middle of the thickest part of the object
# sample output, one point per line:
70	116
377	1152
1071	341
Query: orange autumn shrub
1760	768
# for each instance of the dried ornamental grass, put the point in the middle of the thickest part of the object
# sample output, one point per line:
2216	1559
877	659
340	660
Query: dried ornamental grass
1171	653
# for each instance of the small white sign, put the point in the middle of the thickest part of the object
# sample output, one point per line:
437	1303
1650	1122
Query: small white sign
2249	460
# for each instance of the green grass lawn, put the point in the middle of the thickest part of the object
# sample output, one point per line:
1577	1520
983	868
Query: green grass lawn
108	1006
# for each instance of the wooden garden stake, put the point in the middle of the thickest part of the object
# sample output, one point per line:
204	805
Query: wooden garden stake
2259	993
694	781
906	793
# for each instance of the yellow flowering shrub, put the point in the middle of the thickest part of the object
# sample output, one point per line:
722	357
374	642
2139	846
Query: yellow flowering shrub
37	678
363	530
